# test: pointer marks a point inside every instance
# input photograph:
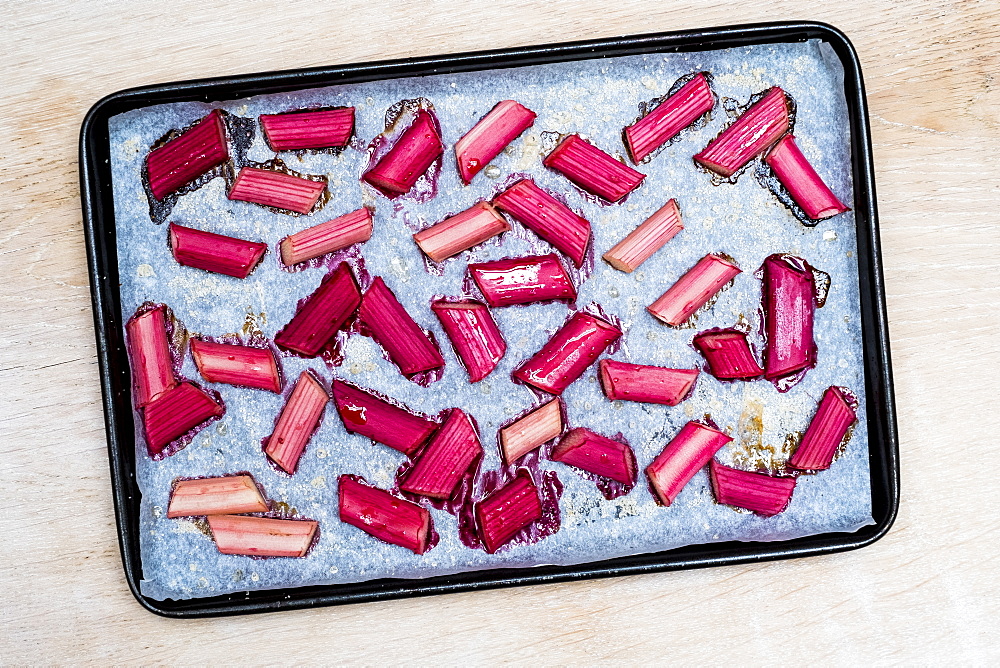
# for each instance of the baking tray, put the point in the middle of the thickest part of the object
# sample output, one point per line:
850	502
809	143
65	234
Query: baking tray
99	228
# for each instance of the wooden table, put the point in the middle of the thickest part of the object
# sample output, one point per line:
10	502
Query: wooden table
929	592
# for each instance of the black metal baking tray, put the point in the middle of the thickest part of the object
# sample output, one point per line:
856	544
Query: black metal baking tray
99	227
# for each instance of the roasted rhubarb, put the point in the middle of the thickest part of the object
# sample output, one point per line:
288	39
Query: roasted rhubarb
452	450
415	150
215	252
341	232
801	180
692	101
526	433
684	456
643	241
474	335
175	412
547	217
396	426
487	138
502	514
236	365
188	156
835	415
754	132
728	354
523	280
592	169
262	536
324	312
789	309
384	516
647	384
568	353
409	347
298	420
297	130
763	494
693	290
461	232
149	350
596	454
269	187
226	495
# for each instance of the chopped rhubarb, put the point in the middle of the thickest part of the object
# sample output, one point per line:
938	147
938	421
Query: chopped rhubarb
461	232
333	235
474	334
684	456
297	130
647	384
417	148
322	315
188	156
226	495
215	252
692	101
175	412
754	132
452	450
149	350
269	187
568	353
527	433
763	494
262	536
728	354
384	516
409	347
502	514
298	420
592	169
649	237
826	432
596	454
236	365
693	290
789	309
801	180
547	217
396	426
523	280
487	138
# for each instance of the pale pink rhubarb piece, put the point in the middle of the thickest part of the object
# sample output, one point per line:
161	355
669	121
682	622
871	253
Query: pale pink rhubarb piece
692	101
789	310
592	169
826	432
648	384
523	280
649	237
693	290
396	426
149	350
801	180
326	310
474	335
215	252
525	434
754	132
568	353
298	420
343	231
461	232
275	189
225	495
243	366
597	454
384	516
684	456
188	156
415	150
728	354
547	217
319	128
175	412
502	514
451	452
487	138
763	494
262	536
409	347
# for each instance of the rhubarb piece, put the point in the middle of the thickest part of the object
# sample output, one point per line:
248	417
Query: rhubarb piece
649	237
523	280
693	290
568	353
592	169
409	347
269	187
801	180
333	235
297	130
298	420
826	432
684	456
384	516
474	334
728	354
226	495
322	315
487	138
763	494
417	148
175	412
527	433
789	309
454	448
461	232
502	514
647	384
149	350
692	101
262	536
753	133
188	156
366	414
242	366
596	454
547	217
215	252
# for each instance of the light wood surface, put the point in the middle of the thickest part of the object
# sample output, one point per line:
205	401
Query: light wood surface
929	592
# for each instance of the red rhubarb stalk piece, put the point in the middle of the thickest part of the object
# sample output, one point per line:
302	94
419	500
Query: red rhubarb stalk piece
826	432
175	412
568	353
502	514
728	354
801	180
461	232
753	133
262	536
763	494
384	516
269	187
297	130
333	235
409	347
242	366
692	101
452	450
592	169
789	310
474	334
149	350
649	237
417	148
684	456
188	156
547	217
225	495
596	454
527	433
487	138
322	315
215	252
396	426
647	384
693	290
298	420
523	280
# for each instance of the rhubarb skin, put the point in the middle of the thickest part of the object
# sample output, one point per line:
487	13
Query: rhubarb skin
763	494
474	335
728	354
597	454
384	516
825	433
622	381
175	412
242	366
391	326
298	420
502	514
322	315
333	235
693	290
592	169
526	433
364	413
805	186
755	131
461	232
262	536
451	452
412	154
642	242
692	101
215	252
299	130
547	217
487	138
149	351
268	187
225	495
568	353
789	311
188	156
523	280
683	457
